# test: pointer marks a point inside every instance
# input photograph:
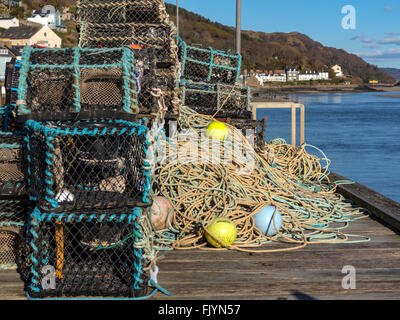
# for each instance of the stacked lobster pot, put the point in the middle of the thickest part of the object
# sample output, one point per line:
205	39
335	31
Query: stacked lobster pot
14	202
82	159
7	111
209	84
143	25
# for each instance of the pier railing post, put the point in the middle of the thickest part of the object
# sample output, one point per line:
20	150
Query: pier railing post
293	125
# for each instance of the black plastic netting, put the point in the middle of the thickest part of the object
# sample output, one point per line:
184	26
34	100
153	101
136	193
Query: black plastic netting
11	239
121	12
14	211
86	165
82	254
12	168
115	23
11	86
11	80
253	130
145	27
209	65
217	99
73	84
13	220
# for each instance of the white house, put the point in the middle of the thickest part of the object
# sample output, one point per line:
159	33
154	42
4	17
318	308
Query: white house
9	22
27	35
292	74
308	75
338	71
324	75
273	76
48	16
5	57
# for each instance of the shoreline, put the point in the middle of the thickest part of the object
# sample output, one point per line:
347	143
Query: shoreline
388	95
282	93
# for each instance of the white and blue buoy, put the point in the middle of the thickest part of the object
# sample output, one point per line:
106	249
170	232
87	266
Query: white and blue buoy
263	221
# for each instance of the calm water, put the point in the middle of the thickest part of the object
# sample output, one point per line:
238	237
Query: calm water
359	132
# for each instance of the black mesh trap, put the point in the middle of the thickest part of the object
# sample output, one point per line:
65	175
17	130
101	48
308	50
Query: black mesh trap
14	211
80	254
122	12
86	165
13	219
253	130
11	85
144	26
73	84
10	245
217	99
12	164
209	65
11	80
109	23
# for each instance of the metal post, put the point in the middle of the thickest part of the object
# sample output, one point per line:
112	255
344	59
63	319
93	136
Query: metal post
177	18
238	25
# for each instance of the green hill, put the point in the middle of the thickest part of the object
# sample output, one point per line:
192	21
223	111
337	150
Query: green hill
271	51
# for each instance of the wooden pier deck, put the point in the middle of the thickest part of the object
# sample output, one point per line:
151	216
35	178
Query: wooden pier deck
314	272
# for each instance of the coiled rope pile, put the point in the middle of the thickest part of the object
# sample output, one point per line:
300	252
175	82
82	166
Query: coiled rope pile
201	188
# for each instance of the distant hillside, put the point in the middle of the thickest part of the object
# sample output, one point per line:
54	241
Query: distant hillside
274	50
393	72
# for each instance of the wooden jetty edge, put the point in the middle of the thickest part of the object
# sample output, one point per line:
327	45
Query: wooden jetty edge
380	206
314	272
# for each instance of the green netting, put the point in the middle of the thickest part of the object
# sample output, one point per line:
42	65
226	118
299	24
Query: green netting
216	66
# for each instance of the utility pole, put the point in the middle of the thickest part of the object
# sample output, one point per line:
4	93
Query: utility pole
238	25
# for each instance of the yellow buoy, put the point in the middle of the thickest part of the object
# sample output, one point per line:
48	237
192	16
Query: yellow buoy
221	229
217	130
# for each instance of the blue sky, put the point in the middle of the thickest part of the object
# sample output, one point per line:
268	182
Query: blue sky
376	37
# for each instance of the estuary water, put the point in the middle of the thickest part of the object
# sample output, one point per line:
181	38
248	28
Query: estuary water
359	132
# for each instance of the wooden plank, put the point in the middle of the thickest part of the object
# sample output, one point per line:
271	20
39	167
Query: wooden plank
377	204
314	272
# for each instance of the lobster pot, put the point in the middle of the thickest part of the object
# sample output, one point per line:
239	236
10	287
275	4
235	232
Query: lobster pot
86	165
131	22
153	78
7	118
156	36
156	60
11	85
12	175
13	212
11	81
217	99
86	254
253	130
13	219
10	246
144	26
209	65
123	12
71	84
